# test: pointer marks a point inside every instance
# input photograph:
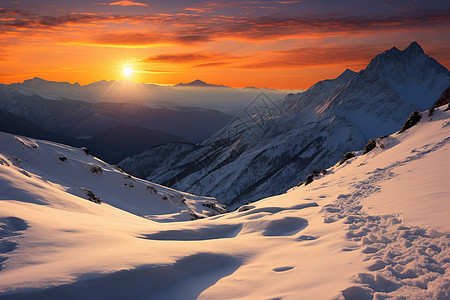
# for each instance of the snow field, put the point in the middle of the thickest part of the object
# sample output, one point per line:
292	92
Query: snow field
341	237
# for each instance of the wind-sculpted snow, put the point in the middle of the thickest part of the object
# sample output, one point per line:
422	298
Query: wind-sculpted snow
208	233
184	279
285	226
273	145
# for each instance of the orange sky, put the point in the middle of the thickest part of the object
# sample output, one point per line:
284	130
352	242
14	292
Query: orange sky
275	44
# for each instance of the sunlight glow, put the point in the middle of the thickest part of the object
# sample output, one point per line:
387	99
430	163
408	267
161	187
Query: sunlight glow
127	71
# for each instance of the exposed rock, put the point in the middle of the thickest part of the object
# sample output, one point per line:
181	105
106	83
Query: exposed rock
443	99
370	146
96	170
309	179
413	119
346	157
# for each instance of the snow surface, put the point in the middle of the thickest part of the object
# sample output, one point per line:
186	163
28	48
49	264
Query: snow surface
347	235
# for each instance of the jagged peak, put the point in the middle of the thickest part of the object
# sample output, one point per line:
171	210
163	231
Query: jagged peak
393	49
411	56
414	47
347	73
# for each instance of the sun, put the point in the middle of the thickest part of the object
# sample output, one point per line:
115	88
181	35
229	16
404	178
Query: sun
127	71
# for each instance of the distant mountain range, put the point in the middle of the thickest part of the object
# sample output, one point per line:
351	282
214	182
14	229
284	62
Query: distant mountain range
194	94
67	120
275	144
64	112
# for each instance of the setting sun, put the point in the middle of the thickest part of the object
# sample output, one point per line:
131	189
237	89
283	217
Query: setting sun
127	71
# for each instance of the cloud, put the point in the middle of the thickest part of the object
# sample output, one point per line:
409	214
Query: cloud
190	38
26	20
313	56
188	29
198	9
268	27
152	71
297	58
196	59
183	57
212	64
128	38
128	3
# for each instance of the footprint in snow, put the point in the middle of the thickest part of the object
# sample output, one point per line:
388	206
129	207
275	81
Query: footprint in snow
285	227
12	224
306	238
6	246
9	227
282	269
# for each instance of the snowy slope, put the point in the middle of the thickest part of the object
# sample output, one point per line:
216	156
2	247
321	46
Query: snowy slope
346	235
276	144
70	170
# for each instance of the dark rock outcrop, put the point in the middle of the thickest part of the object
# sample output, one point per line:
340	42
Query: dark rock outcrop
413	119
370	146
346	157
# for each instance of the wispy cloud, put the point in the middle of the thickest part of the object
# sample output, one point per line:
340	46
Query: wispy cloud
127	38
313	56
297	58
191	29
212	64
184	57
128	3
152	71
195	60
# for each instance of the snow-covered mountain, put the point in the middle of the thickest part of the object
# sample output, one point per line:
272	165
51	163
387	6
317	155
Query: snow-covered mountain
37	167
273	145
374	227
49	89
